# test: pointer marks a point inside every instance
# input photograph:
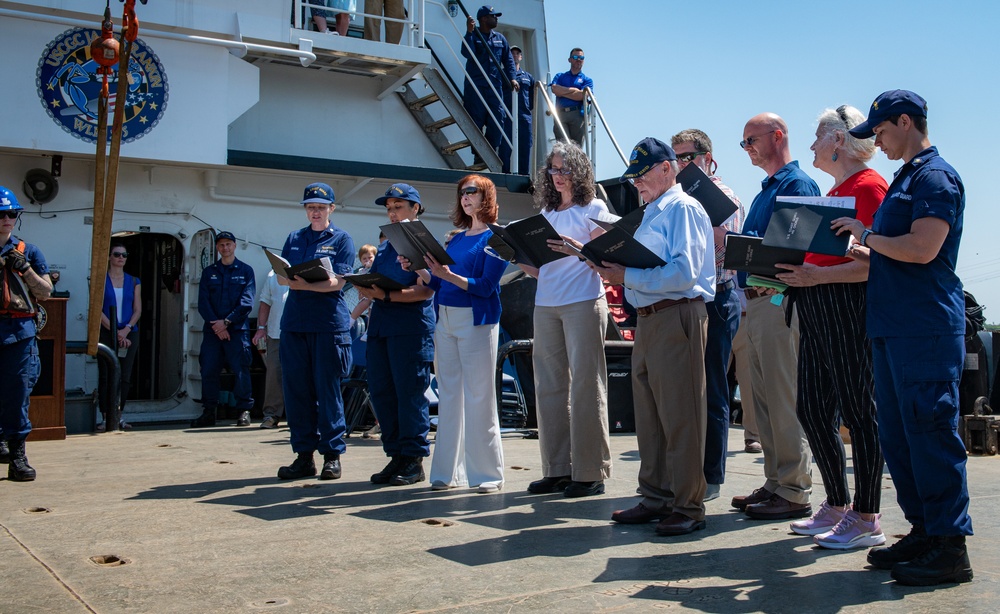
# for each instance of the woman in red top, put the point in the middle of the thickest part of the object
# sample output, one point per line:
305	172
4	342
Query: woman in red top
835	382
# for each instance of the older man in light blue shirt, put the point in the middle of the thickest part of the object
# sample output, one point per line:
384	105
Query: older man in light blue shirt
668	361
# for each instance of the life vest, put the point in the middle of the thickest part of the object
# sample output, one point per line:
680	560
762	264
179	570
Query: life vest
16	298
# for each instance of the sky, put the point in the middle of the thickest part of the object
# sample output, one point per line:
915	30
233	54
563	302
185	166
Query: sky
660	66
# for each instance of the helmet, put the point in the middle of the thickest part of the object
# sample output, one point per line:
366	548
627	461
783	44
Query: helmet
8	202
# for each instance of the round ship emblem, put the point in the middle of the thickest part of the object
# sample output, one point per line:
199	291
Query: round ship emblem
69	86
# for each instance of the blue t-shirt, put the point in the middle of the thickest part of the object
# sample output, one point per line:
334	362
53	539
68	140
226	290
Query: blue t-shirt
907	299
397	319
318	312
483	272
568	79
13	330
790	180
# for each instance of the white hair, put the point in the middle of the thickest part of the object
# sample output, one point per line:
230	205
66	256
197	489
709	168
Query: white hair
842	119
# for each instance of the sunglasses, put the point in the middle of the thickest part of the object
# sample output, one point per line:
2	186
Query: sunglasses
576	57
689	157
470	189
120	254
750	140
559	171
11	215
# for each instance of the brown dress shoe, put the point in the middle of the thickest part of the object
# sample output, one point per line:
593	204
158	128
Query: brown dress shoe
761	494
678	524
778	507
639	514
752	447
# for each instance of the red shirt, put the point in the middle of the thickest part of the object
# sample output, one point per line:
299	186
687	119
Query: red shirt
868	189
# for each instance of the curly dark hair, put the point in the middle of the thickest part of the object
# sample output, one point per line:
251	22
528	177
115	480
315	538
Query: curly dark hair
488	209
581	176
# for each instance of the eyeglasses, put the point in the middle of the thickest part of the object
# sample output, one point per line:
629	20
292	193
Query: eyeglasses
120	254
469	189
11	215
686	158
750	140
565	172
576	57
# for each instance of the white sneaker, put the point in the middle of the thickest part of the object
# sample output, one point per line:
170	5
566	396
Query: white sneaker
712	492
852	532
488	487
439	485
825	519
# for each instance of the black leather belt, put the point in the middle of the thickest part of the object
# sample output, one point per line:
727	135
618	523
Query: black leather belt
726	285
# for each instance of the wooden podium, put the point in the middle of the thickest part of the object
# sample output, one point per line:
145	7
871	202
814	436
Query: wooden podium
47	410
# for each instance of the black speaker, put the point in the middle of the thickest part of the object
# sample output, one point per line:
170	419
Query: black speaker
40	186
621	413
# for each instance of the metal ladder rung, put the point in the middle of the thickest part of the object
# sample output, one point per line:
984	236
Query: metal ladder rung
420	103
450	149
441	123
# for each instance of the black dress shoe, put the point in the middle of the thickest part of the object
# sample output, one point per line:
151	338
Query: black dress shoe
910	547
678	524
584	489
410	471
946	560
4	452
548	485
383	477
331	467
207	418
302	467
639	514
244	419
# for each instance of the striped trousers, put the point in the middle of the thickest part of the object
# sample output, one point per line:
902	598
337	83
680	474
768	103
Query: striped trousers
835	384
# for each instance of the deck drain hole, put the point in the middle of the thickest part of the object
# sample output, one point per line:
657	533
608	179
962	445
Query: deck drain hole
163	445
36	510
109	560
223	462
437	522
269	603
517	468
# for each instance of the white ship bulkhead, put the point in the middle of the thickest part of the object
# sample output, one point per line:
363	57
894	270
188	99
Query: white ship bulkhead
242	131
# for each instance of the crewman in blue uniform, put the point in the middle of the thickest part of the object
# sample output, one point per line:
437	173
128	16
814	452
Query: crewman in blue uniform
497	46
525	106
916	321
400	352
24	276
225	298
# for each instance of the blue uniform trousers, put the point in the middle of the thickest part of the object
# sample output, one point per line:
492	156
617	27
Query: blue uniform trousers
916	398
480	117
723	320
397	380
19	370
524	139
312	365
216	353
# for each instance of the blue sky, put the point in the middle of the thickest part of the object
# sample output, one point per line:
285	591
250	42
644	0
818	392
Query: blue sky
660	66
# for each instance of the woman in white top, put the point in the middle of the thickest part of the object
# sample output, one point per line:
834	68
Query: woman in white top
570	320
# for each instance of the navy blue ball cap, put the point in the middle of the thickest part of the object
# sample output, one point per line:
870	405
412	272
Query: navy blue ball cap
893	102
225	234
399	190
487	10
645	155
318	193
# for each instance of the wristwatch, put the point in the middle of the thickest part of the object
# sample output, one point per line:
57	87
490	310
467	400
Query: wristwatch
388	296
864	237
227	322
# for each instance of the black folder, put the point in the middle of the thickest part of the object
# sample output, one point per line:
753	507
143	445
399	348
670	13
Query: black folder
368	280
412	240
750	255
526	241
699	186
619	246
802	225
319	269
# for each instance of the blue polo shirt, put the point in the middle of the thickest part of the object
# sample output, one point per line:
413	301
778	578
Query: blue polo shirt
907	299
396	319
568	79
790	180
318	312
13	330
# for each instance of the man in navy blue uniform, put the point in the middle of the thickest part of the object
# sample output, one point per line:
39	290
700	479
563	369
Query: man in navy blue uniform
225	298
525	106
569	89
497	47
25	279
773	343
916	321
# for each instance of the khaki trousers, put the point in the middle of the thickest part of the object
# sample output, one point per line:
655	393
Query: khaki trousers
373	26
741	356
274	397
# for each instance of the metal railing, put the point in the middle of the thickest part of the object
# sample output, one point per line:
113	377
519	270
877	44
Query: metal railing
592	112
413	27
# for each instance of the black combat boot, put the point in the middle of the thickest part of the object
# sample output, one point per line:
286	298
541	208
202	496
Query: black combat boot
19	470
945	560
410	471
383	477
302	467
906	549
331	467
207	418
4	452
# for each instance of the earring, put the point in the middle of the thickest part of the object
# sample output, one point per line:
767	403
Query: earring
834	156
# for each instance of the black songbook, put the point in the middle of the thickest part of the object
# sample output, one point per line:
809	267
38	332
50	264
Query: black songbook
526	241
631	221
369	280
699	186
412	240
319	269
750	255
803	223
619	246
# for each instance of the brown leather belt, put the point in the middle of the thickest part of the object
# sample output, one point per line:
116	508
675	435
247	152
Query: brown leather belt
667	302
755	292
